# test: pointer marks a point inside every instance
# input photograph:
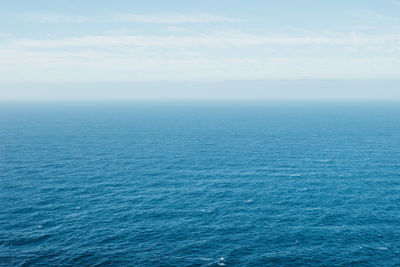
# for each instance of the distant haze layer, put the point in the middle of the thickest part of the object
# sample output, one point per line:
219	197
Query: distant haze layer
225	90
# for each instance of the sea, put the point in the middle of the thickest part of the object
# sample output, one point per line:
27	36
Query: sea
200	183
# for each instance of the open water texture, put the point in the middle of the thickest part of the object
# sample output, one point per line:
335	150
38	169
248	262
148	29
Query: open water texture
199	184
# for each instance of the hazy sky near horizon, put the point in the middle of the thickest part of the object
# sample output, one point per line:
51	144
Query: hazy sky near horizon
150	41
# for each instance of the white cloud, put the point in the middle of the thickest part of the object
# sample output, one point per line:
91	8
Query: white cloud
221	39
23	65
173	19
364	28
129	17
215	55
55	18
373	17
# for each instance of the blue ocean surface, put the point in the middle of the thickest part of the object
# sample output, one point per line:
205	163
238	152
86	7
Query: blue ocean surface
200	184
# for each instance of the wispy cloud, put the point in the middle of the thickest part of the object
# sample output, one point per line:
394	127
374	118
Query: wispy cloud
173	19
217	39
54	18
202	43
373	16
229	54
25	65
130	17
364	28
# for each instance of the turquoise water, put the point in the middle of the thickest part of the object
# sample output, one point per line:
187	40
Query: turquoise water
203	184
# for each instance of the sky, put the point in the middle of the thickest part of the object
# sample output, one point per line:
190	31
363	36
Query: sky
69	49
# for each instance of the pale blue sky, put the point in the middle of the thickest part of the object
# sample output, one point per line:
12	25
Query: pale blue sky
163	42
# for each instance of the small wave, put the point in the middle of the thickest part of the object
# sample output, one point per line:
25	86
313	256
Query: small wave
303	189
382	248
323	160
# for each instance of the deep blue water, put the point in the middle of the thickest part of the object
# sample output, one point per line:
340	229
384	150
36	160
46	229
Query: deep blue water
187	184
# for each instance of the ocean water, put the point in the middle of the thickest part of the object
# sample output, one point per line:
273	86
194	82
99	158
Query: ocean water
200	184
